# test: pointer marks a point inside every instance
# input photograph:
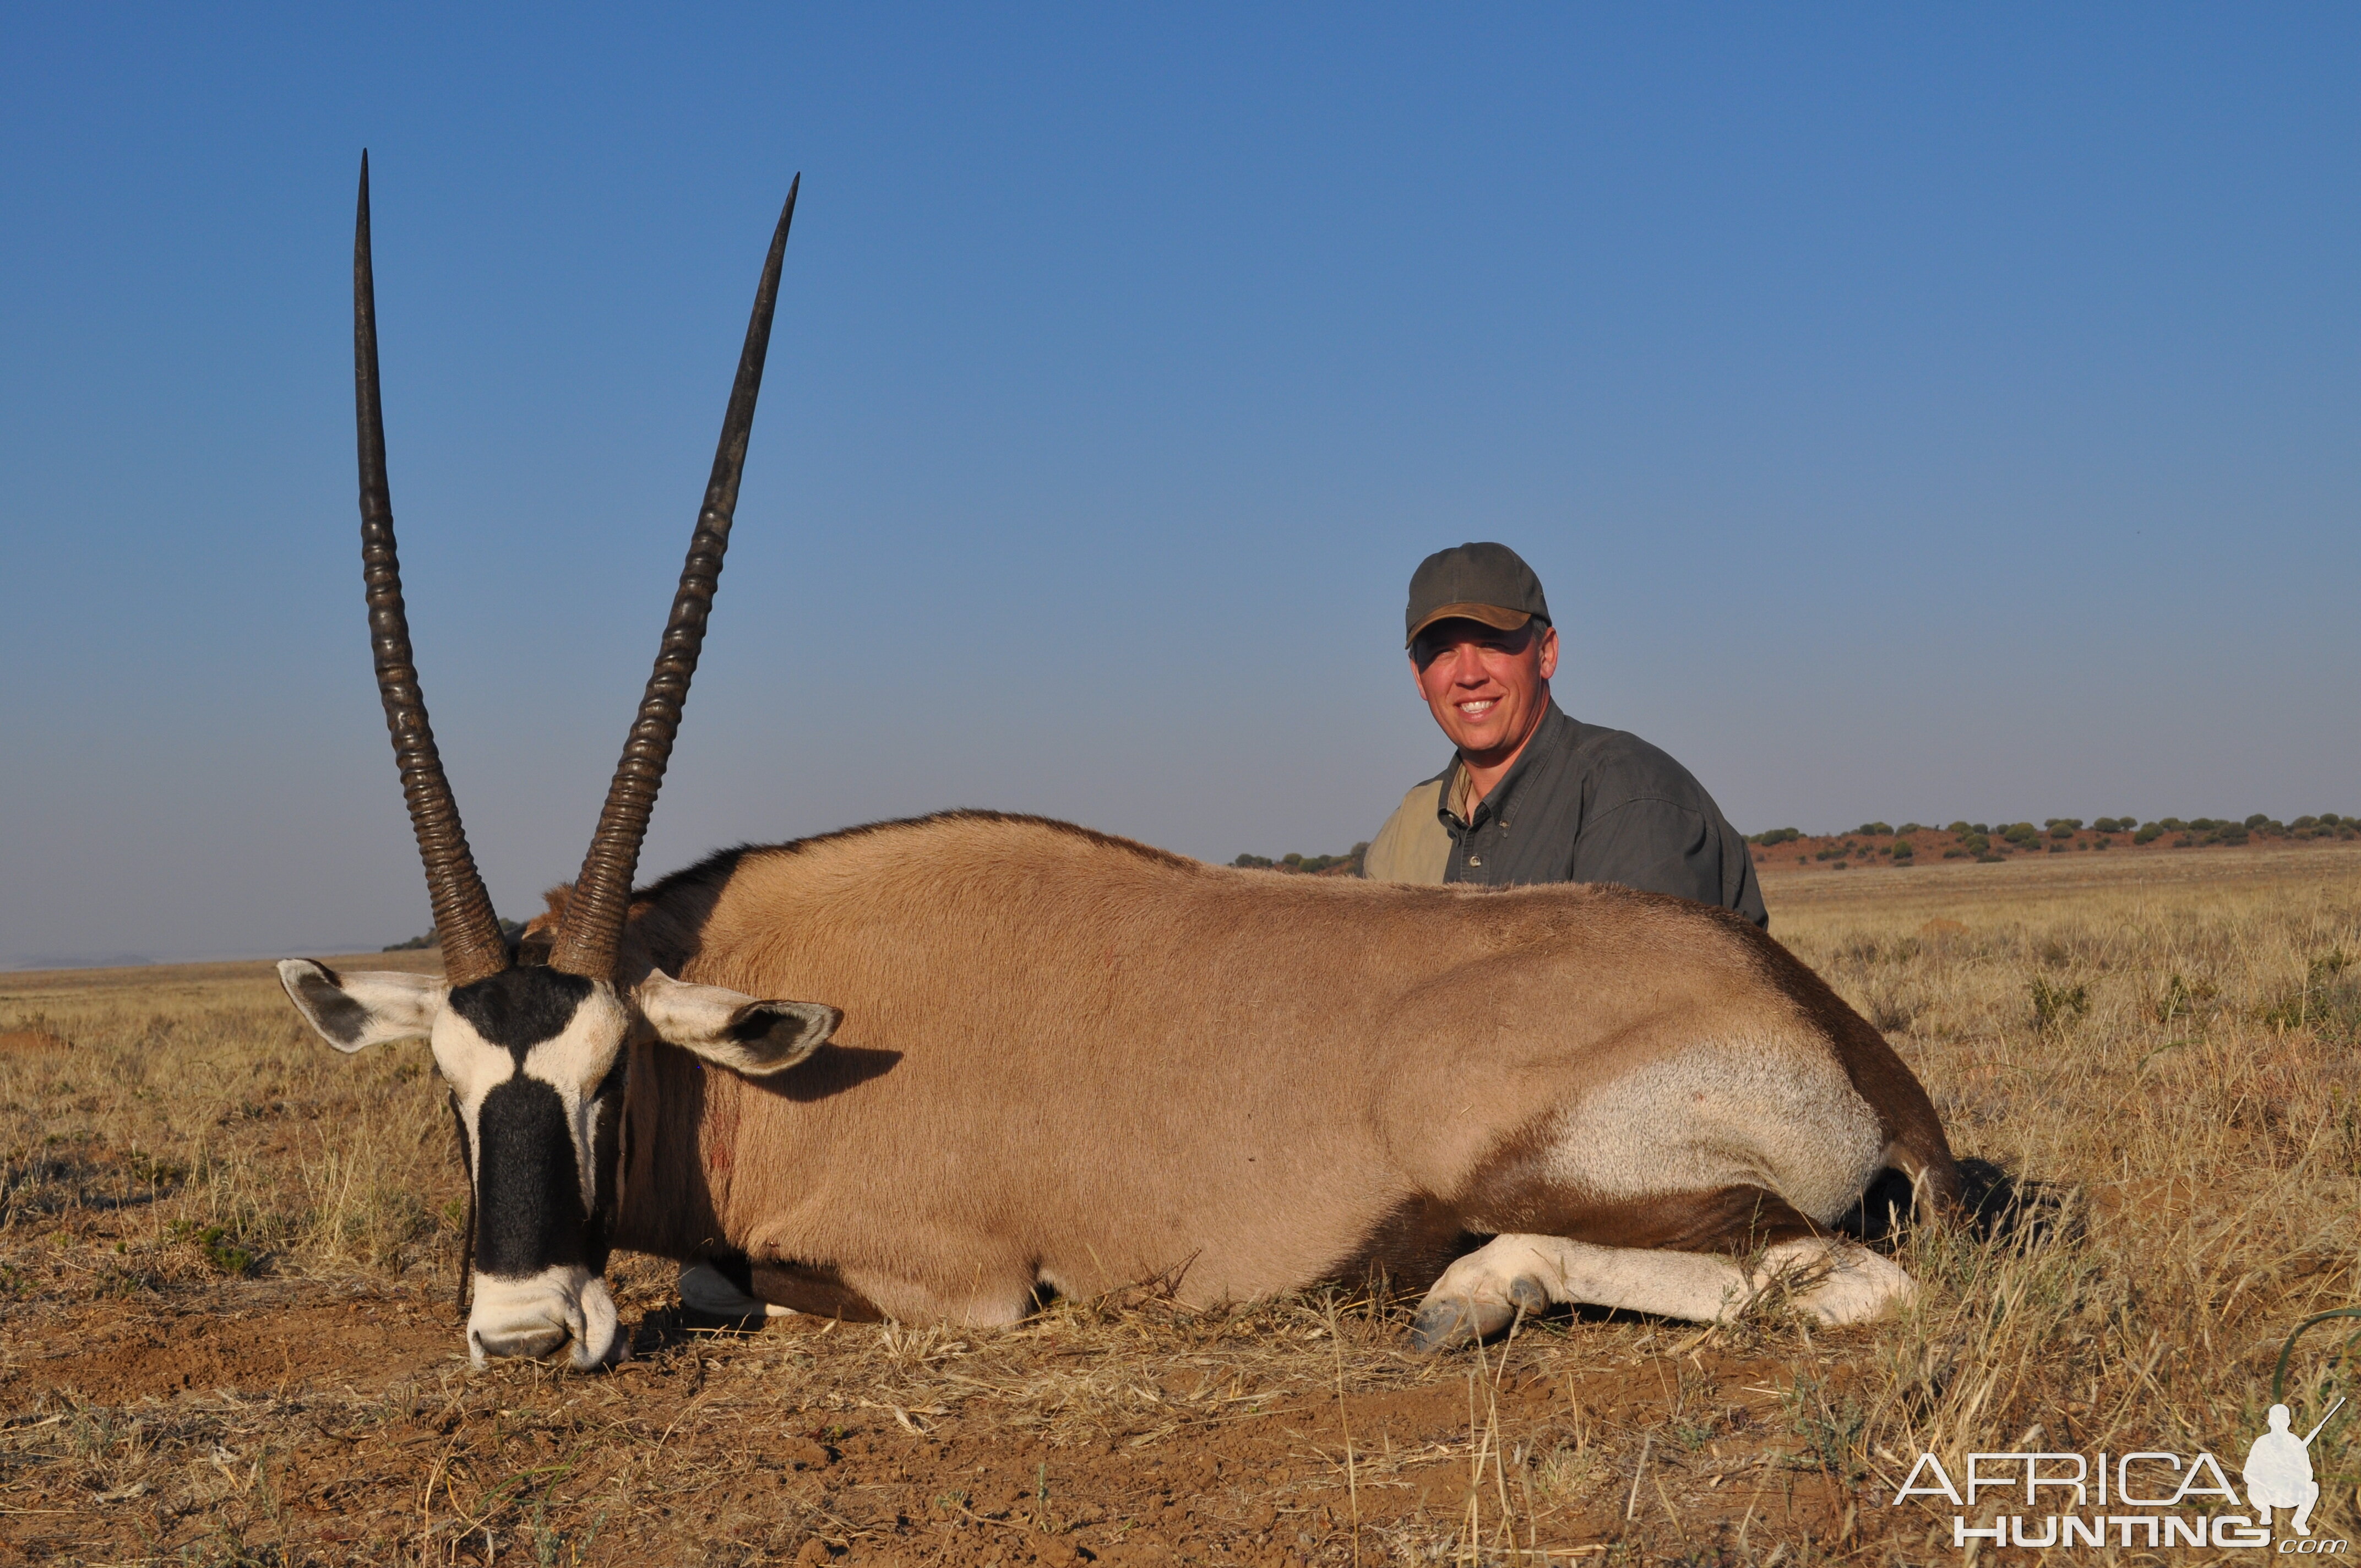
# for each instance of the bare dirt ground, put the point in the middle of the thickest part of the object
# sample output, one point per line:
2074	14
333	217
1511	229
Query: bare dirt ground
227	1254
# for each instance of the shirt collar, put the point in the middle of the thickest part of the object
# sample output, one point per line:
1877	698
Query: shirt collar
1452	802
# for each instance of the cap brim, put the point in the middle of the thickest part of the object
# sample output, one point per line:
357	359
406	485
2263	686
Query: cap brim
1491	615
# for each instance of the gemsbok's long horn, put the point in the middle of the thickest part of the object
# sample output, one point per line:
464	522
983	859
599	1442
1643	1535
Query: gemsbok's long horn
470	933
592	925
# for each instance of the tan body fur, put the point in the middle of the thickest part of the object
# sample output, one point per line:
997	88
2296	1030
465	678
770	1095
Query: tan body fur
1068	1059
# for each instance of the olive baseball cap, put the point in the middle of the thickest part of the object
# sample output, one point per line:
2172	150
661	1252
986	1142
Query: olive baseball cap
1486	583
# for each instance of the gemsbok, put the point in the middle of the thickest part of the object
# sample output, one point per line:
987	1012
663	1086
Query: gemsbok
1058	1061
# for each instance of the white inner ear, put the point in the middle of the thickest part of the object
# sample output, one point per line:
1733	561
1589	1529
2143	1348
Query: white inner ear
729	1028
353	1011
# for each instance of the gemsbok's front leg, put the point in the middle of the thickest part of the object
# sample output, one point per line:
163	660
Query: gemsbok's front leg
1836	1281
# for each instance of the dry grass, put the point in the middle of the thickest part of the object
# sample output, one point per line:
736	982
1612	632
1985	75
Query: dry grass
227	1253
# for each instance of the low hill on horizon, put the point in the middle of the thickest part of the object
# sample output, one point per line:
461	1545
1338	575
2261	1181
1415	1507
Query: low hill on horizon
1882	844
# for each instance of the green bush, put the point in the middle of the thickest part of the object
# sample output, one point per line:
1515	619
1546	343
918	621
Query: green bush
1253	862
2172	825
2063	826
2149	833
1980	828
2024	835
2260	819
1976	844
1961	829
1880	828
1909	828
1902	849
1776	835
220	1248
2057	1005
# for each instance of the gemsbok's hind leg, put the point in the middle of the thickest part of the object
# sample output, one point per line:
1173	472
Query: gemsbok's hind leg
1678	1256
1836	1281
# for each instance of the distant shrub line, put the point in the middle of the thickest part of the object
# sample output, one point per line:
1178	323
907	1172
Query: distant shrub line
1986	841
1312	865
511	929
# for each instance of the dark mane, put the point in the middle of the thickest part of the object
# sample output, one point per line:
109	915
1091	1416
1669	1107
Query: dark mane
719	866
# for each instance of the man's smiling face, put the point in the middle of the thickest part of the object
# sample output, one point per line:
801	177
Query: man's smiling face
1487	688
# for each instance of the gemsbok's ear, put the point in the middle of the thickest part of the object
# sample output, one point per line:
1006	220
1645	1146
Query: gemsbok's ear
355	1010
729	1028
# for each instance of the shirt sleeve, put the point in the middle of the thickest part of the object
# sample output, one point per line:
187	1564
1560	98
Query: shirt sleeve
1412	846
1654	846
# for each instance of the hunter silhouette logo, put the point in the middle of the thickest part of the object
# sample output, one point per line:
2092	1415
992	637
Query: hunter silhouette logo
2149	1497
2279	1471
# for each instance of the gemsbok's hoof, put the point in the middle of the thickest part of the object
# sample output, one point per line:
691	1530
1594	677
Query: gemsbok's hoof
1445	1322
709	1293
1836	1282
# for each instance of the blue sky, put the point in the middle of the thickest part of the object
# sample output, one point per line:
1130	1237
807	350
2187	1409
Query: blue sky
1913	412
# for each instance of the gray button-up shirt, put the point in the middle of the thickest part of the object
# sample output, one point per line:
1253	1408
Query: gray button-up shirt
1581	803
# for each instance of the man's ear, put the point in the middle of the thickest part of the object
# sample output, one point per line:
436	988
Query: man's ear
731	1029
356	1010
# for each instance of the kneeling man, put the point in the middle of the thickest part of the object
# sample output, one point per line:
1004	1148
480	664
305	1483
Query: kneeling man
1531	794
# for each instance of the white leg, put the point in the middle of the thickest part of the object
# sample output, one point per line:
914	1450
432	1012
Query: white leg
1838	1283
2302	1521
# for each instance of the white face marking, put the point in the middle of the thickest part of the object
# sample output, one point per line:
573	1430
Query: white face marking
535	1315
574	1063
